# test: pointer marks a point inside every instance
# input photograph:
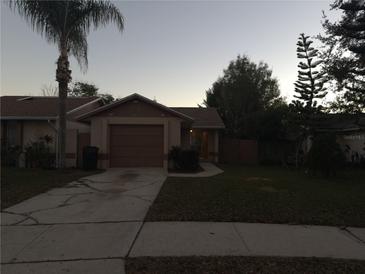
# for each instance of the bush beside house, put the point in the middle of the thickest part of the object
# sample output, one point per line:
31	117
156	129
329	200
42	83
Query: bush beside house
184	159
36	154
325	155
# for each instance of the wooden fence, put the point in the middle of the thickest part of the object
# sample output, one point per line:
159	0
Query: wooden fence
238	151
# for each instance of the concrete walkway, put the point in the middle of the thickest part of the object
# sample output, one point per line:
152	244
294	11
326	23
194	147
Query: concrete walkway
209	170
88	226
92	225
246	239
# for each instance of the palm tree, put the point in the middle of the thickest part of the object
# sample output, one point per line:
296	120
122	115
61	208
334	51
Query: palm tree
67	24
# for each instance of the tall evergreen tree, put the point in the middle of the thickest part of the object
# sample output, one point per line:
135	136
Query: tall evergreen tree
310	84
345	54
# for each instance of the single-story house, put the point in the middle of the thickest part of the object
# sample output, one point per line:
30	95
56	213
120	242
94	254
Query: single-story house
131	132
26	119
349	130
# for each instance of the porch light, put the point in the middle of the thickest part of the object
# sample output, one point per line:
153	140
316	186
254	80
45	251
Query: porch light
191	131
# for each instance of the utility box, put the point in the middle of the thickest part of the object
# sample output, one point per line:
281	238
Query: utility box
90	158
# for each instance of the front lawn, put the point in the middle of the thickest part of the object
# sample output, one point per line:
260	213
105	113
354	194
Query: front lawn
265	195
222	265
18	184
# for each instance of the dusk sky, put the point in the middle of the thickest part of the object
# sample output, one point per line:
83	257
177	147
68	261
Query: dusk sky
171	51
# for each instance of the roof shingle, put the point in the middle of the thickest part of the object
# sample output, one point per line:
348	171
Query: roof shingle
37	106
203	117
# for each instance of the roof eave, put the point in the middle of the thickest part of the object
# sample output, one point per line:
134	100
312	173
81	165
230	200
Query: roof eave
208	127
128	98
84	105
33	118
338	129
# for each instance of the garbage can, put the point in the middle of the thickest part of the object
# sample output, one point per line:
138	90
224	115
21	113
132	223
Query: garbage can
90	158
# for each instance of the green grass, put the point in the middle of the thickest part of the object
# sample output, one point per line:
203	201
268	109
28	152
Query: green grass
265	195
19	184
222	265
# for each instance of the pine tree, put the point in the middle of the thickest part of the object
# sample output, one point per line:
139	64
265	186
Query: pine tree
310	84
345	55
352	28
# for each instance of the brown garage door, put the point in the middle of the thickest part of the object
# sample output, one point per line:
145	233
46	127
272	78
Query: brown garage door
136	146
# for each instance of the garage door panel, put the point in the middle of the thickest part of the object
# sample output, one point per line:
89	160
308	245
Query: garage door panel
147	162
136	145
135	152
136	141
136	130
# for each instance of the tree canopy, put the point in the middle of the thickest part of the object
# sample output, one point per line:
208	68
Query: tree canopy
83	89
344	55
245	90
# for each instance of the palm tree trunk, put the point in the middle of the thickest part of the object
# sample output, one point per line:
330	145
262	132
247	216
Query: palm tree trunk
63	77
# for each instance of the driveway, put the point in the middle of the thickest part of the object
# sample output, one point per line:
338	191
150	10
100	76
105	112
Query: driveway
86	227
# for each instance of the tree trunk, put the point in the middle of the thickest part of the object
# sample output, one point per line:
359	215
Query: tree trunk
63	77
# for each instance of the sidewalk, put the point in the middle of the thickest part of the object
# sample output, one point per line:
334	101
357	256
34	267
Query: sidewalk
209	170
246	239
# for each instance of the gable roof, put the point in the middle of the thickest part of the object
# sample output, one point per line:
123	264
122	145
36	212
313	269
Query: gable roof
134	96
339	122
203	117
38	107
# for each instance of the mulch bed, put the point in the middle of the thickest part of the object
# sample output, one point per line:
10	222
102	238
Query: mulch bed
242	265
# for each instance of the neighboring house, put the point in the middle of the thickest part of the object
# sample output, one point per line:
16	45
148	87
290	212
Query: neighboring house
133	132
26	119
350	132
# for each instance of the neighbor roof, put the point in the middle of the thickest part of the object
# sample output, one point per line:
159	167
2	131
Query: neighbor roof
203	117
38	107
339	122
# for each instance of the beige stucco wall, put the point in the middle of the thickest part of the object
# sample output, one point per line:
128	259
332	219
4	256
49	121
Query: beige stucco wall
71	147
356	143
80	127
100	133
33	130
73	129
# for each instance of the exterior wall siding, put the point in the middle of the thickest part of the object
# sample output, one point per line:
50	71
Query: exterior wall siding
26	132
33	130
352	144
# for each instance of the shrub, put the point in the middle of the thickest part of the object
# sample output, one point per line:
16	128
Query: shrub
184	159
10	155
325	155
38	154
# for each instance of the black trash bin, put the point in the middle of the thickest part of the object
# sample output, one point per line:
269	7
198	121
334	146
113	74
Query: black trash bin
90	158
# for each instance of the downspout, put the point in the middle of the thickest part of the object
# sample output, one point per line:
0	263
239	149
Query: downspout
56	143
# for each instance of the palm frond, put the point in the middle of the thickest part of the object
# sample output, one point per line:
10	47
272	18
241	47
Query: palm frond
68	21
42	16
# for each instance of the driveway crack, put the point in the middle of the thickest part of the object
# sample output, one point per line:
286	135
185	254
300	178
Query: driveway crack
241	238
352	235
26	216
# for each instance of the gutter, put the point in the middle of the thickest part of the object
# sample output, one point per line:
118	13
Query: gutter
29	118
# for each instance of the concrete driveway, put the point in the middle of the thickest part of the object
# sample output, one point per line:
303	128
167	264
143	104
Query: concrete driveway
86	227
